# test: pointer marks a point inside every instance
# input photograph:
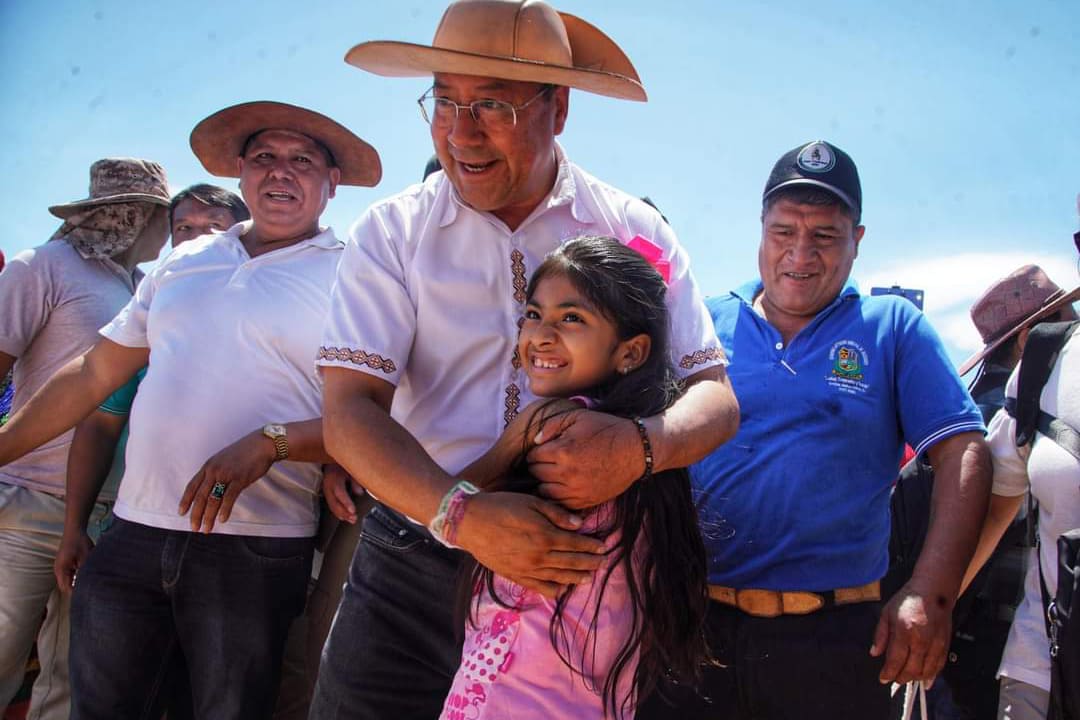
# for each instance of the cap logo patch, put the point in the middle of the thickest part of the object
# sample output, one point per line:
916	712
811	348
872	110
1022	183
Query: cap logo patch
817	157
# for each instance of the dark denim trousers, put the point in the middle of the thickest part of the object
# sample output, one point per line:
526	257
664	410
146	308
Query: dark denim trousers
797	667
394	646
147	597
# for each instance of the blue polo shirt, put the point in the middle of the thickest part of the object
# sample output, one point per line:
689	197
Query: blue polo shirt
799	498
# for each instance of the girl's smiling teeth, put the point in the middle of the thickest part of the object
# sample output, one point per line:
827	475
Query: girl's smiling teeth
547	364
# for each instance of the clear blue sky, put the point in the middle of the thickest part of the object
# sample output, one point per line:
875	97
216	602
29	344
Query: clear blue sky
964	117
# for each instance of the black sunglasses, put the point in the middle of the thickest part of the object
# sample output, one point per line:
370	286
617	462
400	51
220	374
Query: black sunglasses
1076	240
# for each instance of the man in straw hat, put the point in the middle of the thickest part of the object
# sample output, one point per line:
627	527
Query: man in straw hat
795	509
211	550
54	299
424	318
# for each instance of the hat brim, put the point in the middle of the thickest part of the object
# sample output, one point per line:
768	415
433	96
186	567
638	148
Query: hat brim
219	139
600	66
1054	303
66	210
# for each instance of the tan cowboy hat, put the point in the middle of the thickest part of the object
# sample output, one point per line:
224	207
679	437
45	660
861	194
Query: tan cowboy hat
219	139
117	180
524	40
1021	299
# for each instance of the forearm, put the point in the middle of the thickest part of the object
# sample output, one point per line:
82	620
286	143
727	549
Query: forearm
1002	511
89	462
377	451
702	419
962	472
69	396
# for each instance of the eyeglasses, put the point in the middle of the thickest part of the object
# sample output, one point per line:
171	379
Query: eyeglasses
1076	240
492	114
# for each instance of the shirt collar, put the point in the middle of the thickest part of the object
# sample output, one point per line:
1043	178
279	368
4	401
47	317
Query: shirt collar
324	239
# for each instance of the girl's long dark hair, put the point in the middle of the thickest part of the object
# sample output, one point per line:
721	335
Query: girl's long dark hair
659	547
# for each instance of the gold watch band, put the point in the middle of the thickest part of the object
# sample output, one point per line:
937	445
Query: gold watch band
277	435
281	447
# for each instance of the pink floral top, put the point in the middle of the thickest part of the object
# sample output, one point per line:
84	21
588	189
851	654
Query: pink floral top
509	668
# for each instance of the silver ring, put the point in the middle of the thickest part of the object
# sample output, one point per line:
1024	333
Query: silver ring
218	491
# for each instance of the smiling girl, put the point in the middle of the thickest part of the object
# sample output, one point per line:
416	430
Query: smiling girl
594	335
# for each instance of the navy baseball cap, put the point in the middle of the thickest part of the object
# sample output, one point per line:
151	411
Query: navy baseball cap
822	165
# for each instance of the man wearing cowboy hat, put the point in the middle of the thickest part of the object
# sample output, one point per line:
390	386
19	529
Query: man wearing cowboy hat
54	299
795	509
209	559
424	319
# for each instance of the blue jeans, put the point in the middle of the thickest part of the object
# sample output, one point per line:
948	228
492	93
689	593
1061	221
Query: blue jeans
394	646
224	603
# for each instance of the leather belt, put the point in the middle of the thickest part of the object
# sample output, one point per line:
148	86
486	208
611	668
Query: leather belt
772	603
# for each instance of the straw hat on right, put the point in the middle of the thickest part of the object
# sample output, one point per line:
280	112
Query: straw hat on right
1014	302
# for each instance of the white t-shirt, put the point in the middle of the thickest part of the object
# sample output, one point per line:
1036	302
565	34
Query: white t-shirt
430	292
232	347
1053	476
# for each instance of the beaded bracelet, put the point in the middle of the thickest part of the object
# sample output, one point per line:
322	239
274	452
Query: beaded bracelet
647	446
444	525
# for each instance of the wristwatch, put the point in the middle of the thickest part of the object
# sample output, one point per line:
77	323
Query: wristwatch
281	442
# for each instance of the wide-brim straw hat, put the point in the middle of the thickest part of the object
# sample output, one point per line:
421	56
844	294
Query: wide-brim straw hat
219	139
118	180
525	40
1023	298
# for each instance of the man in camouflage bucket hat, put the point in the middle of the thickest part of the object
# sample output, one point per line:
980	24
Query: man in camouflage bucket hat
55	297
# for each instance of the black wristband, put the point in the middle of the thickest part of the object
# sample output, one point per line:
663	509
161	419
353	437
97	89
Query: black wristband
646	446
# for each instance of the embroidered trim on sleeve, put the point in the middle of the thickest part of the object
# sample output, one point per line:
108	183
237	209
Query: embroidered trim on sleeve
358	357
700	357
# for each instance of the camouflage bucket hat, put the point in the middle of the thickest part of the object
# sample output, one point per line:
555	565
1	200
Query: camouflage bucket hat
117	180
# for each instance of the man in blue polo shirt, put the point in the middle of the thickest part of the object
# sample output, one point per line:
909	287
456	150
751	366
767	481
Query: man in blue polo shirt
795	508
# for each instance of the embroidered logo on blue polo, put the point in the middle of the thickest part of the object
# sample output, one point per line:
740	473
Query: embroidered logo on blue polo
816	157
849	363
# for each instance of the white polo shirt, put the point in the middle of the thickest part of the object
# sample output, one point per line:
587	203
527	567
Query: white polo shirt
232	347
430	293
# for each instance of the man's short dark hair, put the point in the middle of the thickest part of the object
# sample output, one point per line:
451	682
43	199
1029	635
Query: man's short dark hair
322	148
809	195
213	196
